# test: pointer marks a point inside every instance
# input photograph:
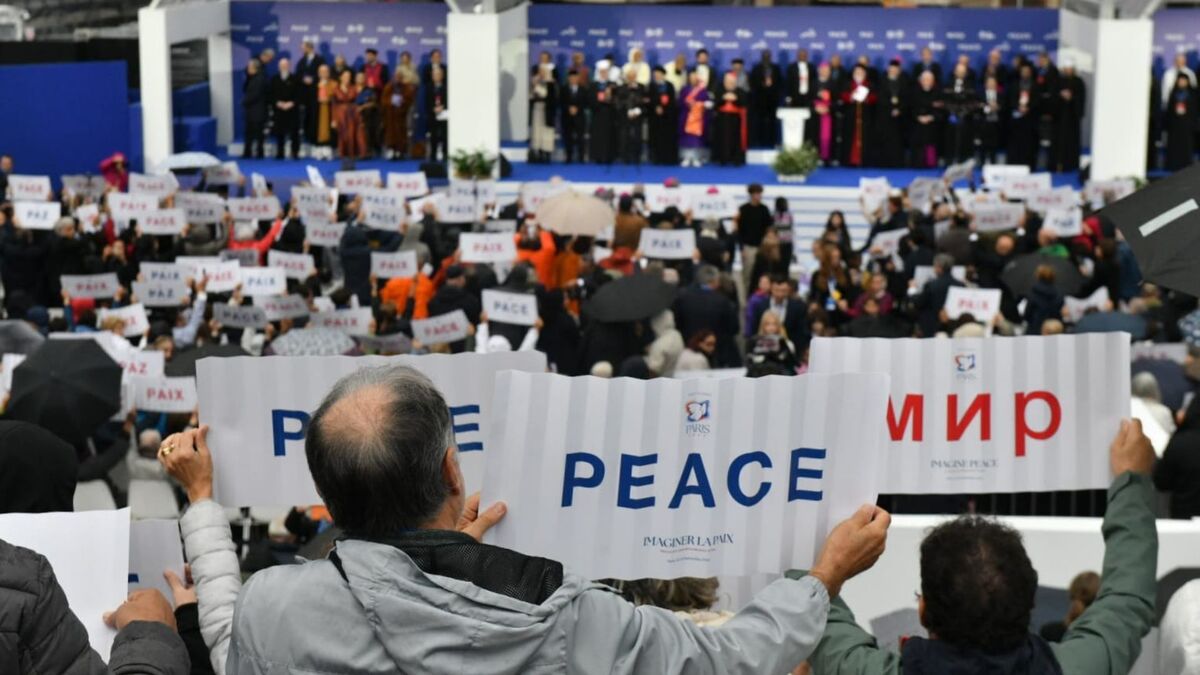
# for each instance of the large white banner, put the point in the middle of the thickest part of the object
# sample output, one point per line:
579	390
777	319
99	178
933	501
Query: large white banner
667	244
667	478
659	198
89	552
487	247
103	285
971	415
515	308
37	215
873	192
259	409
713	205
29	188
398	264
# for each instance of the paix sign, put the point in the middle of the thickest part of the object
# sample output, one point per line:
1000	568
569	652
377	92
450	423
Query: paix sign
993	414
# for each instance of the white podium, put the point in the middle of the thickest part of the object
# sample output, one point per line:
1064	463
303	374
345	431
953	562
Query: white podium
793	125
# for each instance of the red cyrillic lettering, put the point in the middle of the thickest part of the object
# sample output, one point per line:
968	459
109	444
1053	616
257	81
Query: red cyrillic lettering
956	426
913	410
1023	430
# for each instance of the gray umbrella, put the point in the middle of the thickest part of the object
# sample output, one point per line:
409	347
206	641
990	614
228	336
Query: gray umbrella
18	337
1020	274
1161	222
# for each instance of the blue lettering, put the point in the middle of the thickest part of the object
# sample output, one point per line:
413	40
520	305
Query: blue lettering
571	480
694	464
796	473
627	481
735	476
280	435
457	411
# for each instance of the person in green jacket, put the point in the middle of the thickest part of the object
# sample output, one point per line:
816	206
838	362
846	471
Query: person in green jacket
977	593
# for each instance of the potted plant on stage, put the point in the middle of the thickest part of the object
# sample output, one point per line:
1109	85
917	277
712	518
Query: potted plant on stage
473	165
792	165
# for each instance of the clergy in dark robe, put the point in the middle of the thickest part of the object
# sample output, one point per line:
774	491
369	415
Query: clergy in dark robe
729	132
962	106
1181	124
603	132
631	108
798	88
573	109
664	120
1023	119
1070	103
992	118
893	112
1046	76
766	83
927	65
858	108
995	68
285	97
824	119
306	67
927	121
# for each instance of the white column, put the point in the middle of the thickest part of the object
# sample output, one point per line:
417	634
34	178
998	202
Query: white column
514	74
473	90
1121	106
220	84
154	60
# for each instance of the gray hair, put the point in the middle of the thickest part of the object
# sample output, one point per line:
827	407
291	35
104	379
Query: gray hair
943	261
707	275
1145	386
376	447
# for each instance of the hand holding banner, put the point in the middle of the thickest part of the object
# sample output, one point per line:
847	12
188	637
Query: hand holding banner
515	308
668	478
160	293
154	547
487	247
667	244
133	316
398	264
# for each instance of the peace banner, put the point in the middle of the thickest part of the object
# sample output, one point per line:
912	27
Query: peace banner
1064	222
165	394
487	247
458	209
667	478
161	293
516	308
258	410
324	234
80	185
159	186
37	215
90	285
352	321
382	216
713	206
353	182
411	184
278	307
176	271
139	362
961	171
223	276
295	265
971	415
441	329
126	207
998	217
1022	187
29	188
163	222
873	192
667	244
239	316
981	303
659	198
134	317
398	264
201	208
263	281
995	175
254	208
1058	198
225	173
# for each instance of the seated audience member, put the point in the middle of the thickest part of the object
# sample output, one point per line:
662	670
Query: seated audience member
978	585
410	579
772	346
1082	593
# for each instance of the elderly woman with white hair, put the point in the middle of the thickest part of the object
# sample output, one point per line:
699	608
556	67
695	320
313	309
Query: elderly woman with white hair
638	66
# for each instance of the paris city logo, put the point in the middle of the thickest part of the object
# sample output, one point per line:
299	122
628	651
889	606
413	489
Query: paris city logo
696	415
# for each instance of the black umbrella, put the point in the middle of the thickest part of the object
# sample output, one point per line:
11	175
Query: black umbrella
183	364
1020	274
630	298
69	387
1161	222
1112	322
18	337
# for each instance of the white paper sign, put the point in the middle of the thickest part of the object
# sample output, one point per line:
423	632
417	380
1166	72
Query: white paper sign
398	264
1171	351
1097	192
88	216
384	214
314	176
1042	201
316	204
201	208
29	188
225	173
7	365
441	329
486	247
667	478
244	257
981	303
239	316
37	215
140	362
263	281
324	234
923	274
1021	187
295	265
258	184
515	308
254	208
160	293
353	182
412	184
163	222
873	192
972	415
159	186
461	188
667	244
994	175
961	171
152	271
278	307
922	191
352	321
126	207
134	316
223	277
713	206
82	185
998	217
485	192
888	243
95	582
154	547
165	394
660	198
1064	222
1077	307
458	209
258	408
91	285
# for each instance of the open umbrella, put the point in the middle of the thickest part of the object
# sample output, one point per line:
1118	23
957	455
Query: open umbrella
69	387
1161	222
630	298
183	364
18	337
1019	274
1112	322
312	342
574	213
186	161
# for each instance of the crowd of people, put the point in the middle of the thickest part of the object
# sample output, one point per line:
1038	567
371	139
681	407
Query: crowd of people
740	301
340	110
